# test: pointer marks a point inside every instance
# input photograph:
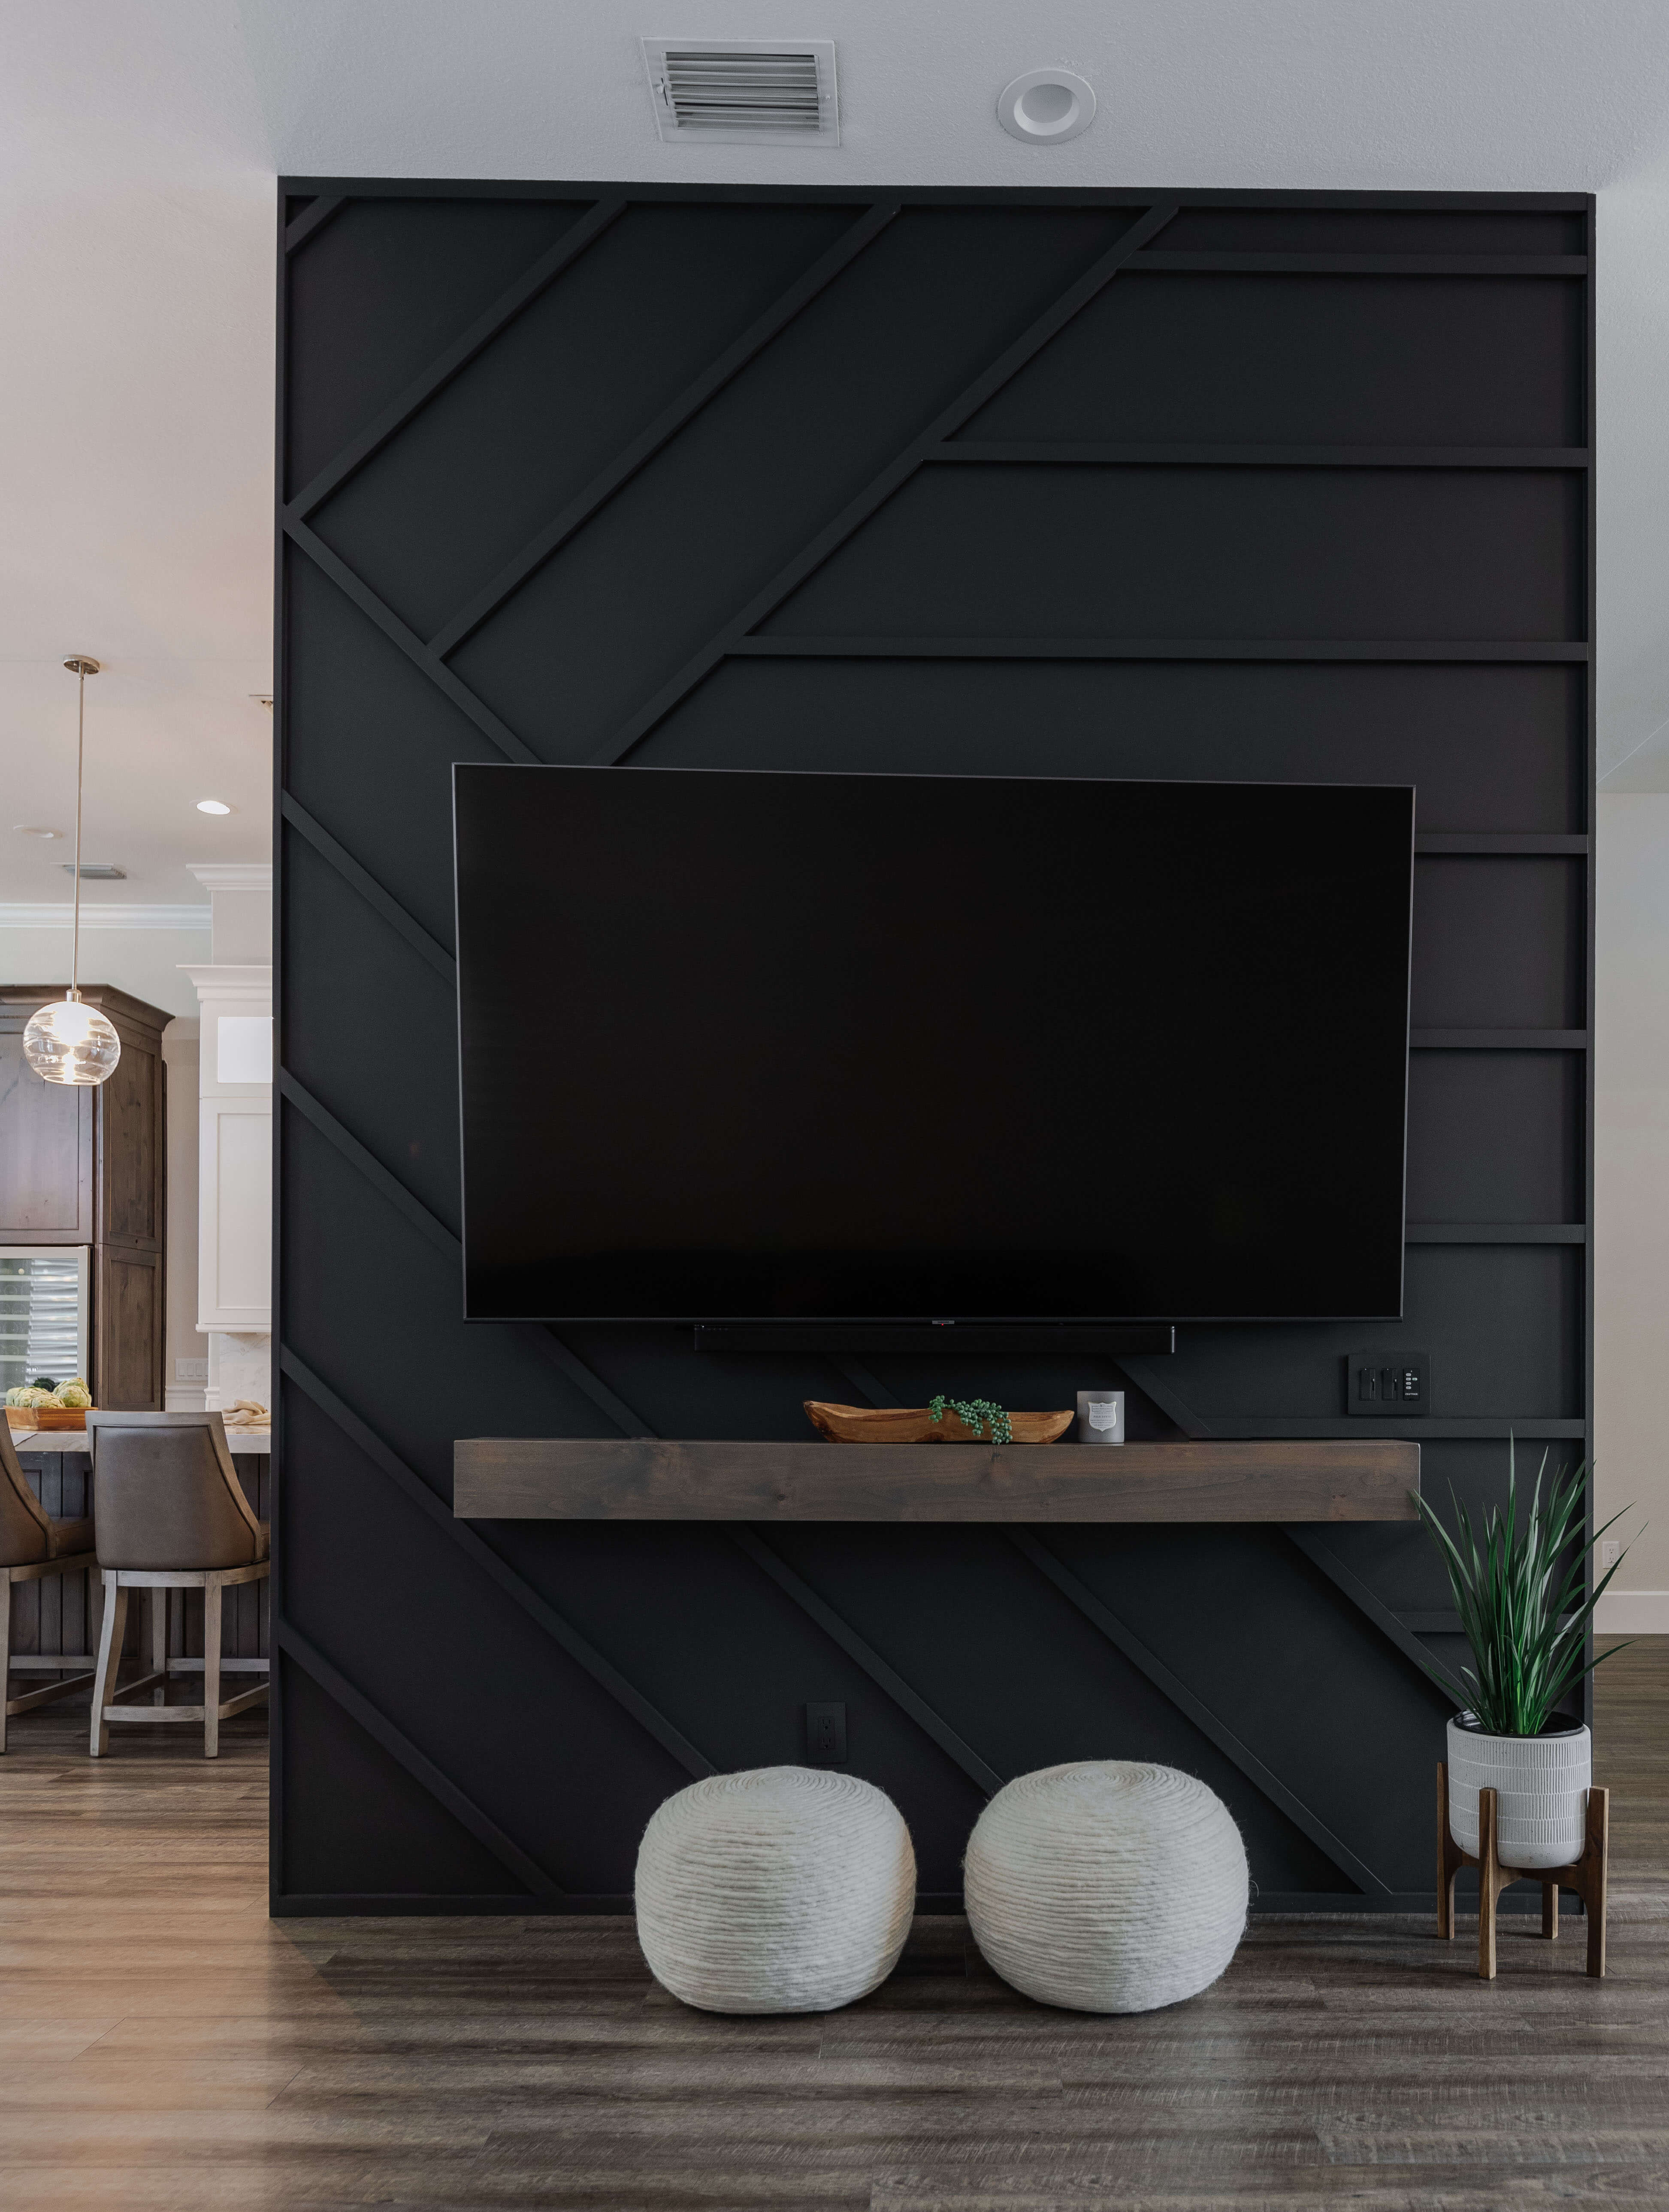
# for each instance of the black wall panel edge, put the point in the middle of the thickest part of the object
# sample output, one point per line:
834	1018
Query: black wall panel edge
547	445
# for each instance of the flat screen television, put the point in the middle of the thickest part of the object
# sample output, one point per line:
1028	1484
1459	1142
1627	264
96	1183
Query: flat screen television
752	1045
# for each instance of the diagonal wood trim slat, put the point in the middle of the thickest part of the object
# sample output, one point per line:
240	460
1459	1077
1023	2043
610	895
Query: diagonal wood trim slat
1150	1663
545	1340
623	1416
412	1486
770	1563
370	889
666	426
426	1224
458	356
1394	1630
311	219
398	633
1175	1409
335	1685
881	488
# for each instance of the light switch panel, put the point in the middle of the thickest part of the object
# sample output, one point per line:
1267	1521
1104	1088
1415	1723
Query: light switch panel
1387	1386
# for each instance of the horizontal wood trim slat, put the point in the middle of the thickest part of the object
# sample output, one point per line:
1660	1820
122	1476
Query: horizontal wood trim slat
649	1479
1496	1232
1420	1430
847	647
1498	1040
1478	843
1365	264
1138	453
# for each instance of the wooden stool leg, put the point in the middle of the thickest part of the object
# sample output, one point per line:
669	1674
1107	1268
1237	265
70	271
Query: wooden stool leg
1488	1883
213	1590
5	1648
159	1643
1448	1858
112	1630
1551	1910
1596	1866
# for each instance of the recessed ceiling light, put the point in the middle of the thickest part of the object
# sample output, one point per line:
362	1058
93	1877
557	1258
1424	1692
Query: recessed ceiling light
1047	107
213	806
33	829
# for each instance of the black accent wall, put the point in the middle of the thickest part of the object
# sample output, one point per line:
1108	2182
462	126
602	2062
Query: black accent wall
1259	486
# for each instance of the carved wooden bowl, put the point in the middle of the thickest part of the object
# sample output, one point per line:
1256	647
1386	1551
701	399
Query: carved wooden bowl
914	1425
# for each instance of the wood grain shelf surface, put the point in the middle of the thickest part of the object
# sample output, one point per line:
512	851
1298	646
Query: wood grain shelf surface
655	1479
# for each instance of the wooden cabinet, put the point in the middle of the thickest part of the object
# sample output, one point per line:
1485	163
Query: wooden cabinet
86	1167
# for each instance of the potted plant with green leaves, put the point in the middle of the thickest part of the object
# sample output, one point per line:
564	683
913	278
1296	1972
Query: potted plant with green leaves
1520	1586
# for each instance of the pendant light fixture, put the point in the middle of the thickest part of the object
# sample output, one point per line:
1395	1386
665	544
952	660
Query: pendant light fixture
70	1042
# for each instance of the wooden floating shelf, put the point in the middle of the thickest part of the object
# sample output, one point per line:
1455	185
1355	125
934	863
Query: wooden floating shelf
652	1479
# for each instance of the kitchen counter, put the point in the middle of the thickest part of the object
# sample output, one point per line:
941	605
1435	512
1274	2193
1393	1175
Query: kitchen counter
75	1440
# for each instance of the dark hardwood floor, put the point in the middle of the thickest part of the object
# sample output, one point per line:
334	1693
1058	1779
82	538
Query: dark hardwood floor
163	2045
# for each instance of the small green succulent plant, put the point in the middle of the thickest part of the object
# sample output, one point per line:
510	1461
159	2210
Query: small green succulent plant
982	1415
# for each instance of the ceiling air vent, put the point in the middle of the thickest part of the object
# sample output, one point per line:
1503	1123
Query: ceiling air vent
744	92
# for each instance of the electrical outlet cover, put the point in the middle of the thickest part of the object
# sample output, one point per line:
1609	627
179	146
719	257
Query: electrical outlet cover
826	1736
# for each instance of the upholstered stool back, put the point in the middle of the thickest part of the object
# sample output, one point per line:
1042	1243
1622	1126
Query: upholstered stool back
28	1533
166	1494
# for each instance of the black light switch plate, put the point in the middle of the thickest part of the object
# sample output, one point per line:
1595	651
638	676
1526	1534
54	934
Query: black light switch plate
825	1735
1387	1386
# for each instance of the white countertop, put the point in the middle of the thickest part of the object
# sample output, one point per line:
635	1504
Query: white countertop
75	1440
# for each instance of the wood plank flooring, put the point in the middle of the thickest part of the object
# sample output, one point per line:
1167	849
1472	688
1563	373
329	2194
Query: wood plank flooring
165	2047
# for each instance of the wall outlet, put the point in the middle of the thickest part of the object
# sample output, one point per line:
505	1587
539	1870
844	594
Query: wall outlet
1387	1386
190	1370
1610	1551
825	1735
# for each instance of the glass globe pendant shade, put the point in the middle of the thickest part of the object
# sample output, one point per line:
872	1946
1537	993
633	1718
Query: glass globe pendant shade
70	1042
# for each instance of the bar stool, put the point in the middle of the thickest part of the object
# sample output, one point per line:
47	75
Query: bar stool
33	1546
172	1514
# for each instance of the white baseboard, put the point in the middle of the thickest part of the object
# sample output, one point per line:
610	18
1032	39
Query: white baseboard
1632	1612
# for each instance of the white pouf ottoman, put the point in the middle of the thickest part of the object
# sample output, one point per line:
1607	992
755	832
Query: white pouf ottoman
1107	1886
783	1889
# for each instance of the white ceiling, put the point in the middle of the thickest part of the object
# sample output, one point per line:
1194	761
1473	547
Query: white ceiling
139	140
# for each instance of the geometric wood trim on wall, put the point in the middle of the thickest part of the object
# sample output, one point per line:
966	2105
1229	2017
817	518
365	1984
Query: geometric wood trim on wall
1257	486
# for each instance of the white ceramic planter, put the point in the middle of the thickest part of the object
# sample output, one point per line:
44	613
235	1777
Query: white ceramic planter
1541	1784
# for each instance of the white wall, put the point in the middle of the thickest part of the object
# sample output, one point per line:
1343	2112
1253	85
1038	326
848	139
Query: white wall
145	962
234	1140
1631	1205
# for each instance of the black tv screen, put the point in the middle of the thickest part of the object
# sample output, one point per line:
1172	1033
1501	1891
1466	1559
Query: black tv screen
756	1046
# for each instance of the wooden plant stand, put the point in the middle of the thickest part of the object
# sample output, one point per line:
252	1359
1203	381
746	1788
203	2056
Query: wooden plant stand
1587	1876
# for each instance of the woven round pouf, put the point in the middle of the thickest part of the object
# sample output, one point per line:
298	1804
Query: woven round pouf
784	1889
1107	1886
